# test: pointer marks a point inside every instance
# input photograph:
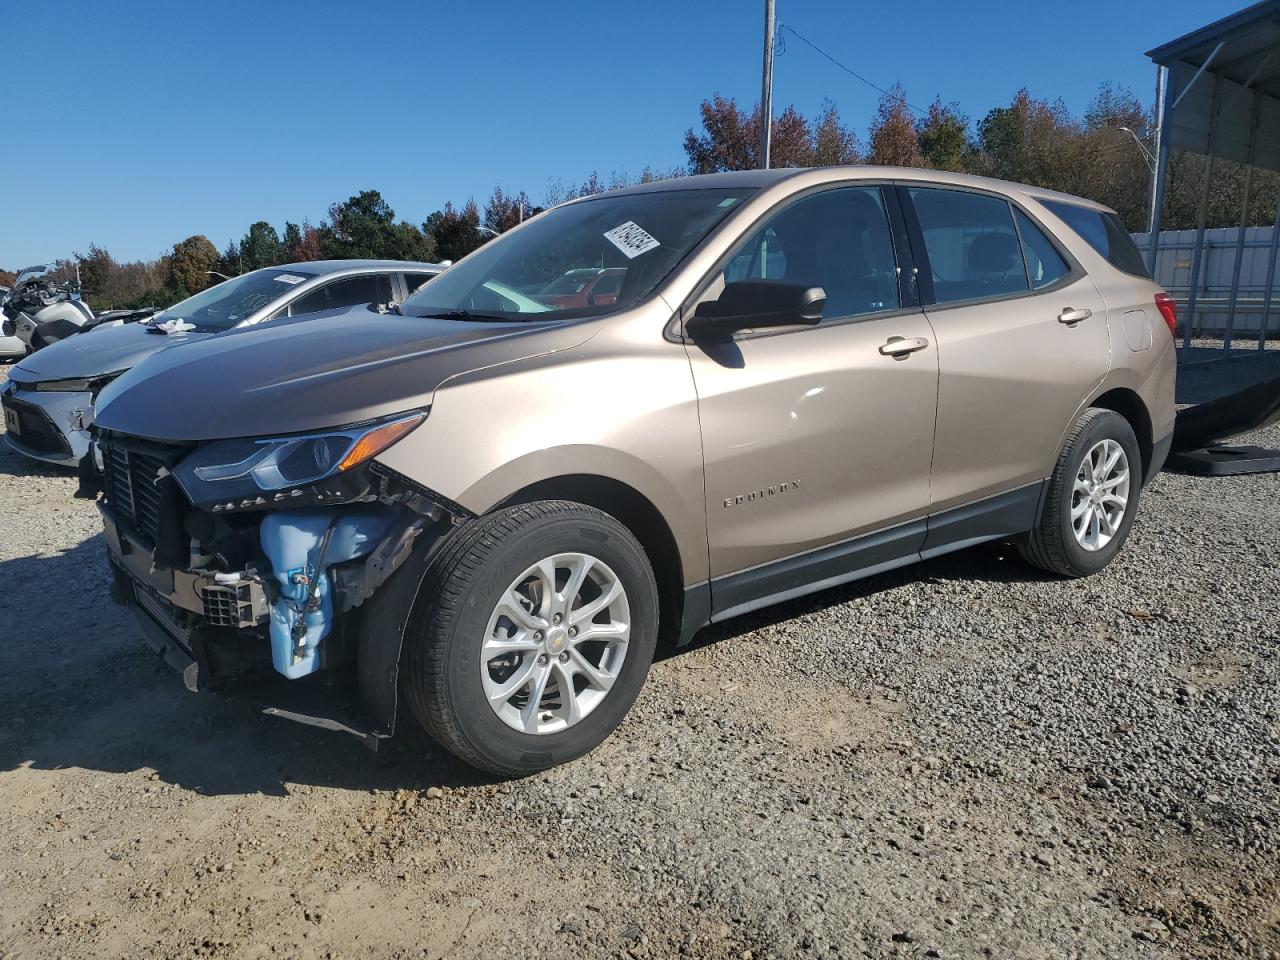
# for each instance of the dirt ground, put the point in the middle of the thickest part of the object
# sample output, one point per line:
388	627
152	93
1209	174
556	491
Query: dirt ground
961	759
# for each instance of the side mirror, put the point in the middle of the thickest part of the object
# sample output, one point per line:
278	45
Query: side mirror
754	304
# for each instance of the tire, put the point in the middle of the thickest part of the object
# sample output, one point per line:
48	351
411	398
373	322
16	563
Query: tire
1053	545
449	687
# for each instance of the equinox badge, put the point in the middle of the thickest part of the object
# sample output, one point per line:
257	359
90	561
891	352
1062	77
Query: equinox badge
762	493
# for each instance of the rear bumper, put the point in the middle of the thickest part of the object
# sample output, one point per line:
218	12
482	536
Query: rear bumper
1159	454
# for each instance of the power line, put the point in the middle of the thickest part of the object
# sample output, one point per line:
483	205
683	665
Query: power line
853	73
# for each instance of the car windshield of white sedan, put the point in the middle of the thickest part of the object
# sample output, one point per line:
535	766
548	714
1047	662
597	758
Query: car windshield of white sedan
545	269
222	306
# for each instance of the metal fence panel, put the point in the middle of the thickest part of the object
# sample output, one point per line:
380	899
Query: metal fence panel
1173	272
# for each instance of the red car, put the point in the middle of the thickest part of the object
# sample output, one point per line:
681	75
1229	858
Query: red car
586	287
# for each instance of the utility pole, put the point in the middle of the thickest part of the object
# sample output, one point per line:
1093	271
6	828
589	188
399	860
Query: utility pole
1162	82
766	93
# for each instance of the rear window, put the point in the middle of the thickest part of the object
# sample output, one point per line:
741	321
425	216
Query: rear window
1105	233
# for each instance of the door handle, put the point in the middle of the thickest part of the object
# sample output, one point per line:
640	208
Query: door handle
899	347
1071	316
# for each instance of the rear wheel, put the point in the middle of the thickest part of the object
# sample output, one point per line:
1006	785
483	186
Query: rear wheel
1092	498
536	638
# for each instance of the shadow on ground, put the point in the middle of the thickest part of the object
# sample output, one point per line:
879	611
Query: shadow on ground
14	464
81	689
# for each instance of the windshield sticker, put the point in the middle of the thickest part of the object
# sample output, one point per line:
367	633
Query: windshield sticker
631	239
290	278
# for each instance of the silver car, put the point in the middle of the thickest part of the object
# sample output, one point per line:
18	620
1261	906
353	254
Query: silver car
48	399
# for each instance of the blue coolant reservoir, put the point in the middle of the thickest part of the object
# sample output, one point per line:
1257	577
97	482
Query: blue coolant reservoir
291	540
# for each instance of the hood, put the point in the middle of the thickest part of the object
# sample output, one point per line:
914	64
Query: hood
313	374
98	351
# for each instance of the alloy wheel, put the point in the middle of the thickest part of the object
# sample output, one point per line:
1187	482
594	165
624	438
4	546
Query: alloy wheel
555	643
1100	495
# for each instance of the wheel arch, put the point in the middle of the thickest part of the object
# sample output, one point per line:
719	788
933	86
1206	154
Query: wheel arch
639	515
1128	404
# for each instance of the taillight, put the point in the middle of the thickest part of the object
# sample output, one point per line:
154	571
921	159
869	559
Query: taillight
1169	310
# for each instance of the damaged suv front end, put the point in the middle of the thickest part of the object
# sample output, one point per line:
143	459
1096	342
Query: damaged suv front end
242	595
257	544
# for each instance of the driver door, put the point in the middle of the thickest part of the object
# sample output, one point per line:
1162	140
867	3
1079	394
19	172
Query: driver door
817	440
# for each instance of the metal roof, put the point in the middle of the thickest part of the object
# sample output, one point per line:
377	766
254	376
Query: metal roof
1228	70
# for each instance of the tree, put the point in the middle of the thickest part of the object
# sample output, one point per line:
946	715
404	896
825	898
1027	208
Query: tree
193	258
290	242
455	233
301	244
1030	141
943	137
365	226
98	271
504	211
229	262
730	139
260	247
7	278
893	132
356	227
792	142
833	142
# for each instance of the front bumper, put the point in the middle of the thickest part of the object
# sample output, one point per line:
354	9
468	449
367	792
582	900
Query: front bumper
223	653
52	427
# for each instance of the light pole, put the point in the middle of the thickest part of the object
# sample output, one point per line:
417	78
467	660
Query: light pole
1146	154
766	92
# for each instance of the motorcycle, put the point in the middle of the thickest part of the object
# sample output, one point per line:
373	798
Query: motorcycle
40	310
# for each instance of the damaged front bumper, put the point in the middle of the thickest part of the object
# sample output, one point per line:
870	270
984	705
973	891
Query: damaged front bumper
222	631
52	427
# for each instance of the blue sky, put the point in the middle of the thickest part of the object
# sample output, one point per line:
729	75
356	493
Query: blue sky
135	124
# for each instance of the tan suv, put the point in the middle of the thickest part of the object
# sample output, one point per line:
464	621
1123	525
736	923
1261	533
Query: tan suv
492	505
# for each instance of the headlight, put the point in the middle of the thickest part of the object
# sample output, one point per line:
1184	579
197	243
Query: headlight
77	385
234	474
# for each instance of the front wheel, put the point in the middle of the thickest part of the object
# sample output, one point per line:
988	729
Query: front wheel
533	636
1091	500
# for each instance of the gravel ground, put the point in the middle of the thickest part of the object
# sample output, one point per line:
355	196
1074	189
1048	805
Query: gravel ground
961	759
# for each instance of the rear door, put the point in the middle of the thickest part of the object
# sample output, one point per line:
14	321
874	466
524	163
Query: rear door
1022	342
812	436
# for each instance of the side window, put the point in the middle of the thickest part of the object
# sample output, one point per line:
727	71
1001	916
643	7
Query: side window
349	292
972	244
838	240
412	281
1105	233
1044	264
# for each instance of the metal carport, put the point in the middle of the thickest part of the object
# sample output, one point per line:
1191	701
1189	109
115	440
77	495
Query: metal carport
1219	95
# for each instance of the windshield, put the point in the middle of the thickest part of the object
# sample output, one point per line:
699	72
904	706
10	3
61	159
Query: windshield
524	275
222	306
571	282
27	274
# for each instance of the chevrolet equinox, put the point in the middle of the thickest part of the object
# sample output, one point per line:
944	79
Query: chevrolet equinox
490	504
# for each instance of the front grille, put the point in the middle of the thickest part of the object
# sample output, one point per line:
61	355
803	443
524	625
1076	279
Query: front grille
132	488
36	431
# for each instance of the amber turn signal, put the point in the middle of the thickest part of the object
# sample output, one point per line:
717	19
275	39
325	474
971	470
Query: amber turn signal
377	440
